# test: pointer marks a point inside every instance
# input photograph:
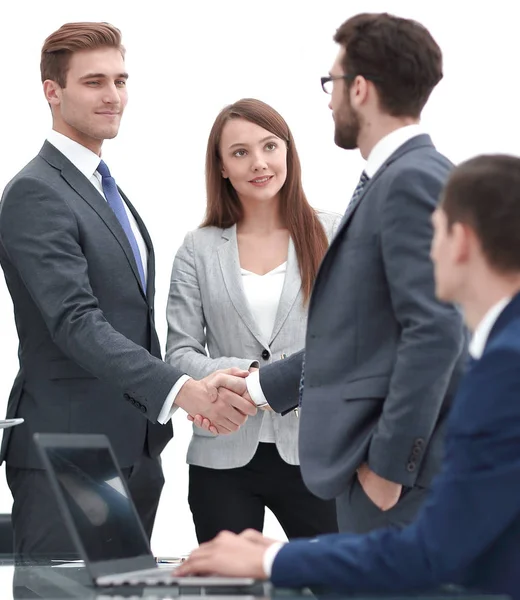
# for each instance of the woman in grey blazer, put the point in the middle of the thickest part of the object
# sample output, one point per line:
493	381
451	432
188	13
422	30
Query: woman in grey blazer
239	291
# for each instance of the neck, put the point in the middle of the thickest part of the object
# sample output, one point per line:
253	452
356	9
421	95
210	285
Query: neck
483	292
375	129
92	144
260	217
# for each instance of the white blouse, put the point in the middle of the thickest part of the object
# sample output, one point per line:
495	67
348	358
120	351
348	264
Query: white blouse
263	294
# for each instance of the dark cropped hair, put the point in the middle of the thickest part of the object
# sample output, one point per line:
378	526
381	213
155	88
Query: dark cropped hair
484	193
398	55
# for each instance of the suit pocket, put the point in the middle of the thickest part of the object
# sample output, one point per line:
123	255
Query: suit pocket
369	387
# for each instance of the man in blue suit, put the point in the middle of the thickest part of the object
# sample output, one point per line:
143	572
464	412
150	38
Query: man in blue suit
468	530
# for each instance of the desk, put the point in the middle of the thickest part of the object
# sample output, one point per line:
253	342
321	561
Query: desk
72	583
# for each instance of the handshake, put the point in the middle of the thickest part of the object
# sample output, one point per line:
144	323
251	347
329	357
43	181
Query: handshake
219	403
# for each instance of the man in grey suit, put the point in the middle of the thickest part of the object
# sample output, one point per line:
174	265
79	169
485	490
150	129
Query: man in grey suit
79	265
383	356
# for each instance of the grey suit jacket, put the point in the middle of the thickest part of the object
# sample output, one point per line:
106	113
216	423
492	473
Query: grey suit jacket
89	353
207	308
382	355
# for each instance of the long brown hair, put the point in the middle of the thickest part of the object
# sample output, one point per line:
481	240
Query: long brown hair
224	209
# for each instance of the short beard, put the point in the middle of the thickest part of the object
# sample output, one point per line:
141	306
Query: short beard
346	132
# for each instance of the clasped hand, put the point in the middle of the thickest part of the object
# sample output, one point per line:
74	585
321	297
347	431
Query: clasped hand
219	402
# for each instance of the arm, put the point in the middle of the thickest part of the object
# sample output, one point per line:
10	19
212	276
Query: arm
473	502
432	335
186	341
280	382
40	236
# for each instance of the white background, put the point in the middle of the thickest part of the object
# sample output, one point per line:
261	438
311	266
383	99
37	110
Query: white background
186	61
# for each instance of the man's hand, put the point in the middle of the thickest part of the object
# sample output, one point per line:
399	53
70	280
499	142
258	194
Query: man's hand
383	493
203	423
229	555
217	399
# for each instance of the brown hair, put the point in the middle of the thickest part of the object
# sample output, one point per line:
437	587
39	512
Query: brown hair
399	56
224	209
484	193
73	37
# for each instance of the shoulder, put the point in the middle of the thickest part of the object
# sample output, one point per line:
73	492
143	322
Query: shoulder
329	220
206	235
424	167
202	240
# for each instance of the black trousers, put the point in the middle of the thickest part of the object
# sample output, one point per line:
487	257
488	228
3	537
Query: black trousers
39	530
235	499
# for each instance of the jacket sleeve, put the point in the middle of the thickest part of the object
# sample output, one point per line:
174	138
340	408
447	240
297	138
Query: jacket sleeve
40	237
432	334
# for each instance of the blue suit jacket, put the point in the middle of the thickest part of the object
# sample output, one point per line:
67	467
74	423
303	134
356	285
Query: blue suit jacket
468	531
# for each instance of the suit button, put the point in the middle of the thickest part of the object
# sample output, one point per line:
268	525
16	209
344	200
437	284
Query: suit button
142	408
266	354
419	442
133	401
415	452
410	467
126	396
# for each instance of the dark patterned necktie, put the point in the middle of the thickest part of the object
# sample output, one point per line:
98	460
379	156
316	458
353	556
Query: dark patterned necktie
115	202
356	196
354	201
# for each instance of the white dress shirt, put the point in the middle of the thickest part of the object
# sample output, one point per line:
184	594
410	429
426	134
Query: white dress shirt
483	329
379	154
87	163
476	349
263	294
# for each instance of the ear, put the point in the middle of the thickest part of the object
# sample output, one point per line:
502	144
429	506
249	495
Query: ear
464	241
52	92
224	173
359	90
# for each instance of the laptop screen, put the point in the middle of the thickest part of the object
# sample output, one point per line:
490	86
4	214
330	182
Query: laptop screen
104	516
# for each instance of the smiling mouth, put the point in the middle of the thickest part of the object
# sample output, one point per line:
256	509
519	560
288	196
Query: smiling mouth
261	180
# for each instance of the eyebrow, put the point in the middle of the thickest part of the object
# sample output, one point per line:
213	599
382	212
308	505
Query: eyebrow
269	137
103	76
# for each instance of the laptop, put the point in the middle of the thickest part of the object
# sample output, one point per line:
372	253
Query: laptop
101	517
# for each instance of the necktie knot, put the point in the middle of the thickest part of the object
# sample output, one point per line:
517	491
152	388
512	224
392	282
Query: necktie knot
103	170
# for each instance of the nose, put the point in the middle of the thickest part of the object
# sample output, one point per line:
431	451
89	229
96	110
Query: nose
330	104
259	163
111	94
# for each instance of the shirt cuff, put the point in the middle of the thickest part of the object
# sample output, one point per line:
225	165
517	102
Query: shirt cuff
255	389
168	407
270	555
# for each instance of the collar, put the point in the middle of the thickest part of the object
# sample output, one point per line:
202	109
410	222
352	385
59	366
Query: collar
82	158
386	146
483	329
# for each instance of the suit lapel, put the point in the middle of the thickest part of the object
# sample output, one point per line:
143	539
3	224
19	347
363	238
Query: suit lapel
150	279
230	267
291	287
416	142
93	198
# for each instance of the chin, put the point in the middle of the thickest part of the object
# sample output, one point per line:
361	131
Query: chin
345	142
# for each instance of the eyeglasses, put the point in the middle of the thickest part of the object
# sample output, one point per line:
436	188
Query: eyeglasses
327	82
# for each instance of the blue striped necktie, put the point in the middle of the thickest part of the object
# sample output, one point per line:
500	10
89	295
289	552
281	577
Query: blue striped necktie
354	201
115	202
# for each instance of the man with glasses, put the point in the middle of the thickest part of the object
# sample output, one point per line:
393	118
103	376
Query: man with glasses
383	356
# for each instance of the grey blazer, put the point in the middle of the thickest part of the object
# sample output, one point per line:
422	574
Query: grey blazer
383	356
207	308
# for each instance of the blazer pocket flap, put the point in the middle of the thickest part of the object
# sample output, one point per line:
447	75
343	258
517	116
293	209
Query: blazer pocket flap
66	369
371	387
